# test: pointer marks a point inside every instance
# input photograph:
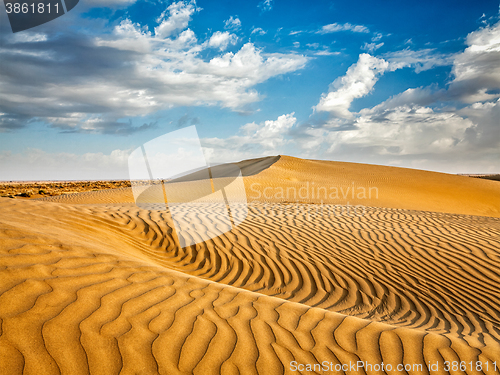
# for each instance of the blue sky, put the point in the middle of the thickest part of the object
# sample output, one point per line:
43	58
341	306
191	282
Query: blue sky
411	84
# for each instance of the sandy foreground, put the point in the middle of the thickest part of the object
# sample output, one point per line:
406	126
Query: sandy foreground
92	283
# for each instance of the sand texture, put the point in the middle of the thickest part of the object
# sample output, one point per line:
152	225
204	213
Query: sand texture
91	283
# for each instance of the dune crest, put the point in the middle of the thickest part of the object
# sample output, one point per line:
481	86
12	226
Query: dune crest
285	179
333	182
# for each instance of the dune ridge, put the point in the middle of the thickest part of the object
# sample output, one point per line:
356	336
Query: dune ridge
401	188
280	180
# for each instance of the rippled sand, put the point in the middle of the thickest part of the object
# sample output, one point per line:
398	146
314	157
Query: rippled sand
92	284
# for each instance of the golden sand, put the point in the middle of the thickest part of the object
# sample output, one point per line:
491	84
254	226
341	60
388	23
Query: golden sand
92	284
286	179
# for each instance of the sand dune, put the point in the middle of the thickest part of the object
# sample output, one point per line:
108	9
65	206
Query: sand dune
286	179
396	187
99	285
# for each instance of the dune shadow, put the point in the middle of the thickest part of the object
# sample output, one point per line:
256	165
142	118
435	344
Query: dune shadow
247	168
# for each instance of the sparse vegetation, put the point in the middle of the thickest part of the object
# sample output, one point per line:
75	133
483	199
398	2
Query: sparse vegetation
38	189
494	177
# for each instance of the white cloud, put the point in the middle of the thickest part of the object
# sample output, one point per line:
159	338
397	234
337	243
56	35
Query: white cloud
222	39
326	52
420	60
313	45
28	37
226	79
321	52
258	30
233	23
336	27
310	141
404	130
253	140
477	69
134	72
486	116
371	47
409	129
266	5
250	64
356	83
128	36
420	97
411	135
179	15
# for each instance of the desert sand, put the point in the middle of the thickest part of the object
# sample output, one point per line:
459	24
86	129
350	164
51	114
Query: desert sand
92	283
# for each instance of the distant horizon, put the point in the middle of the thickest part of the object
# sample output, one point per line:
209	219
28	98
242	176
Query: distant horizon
2	181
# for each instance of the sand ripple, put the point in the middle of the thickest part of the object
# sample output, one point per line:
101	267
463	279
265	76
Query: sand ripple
104	290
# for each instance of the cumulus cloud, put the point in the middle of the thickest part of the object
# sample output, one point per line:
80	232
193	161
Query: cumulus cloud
233	23
403	130
221	40
417	136
486	134
410	129
477	70
253	140
415	128
175	18
421	97
336	27
80	82
356	83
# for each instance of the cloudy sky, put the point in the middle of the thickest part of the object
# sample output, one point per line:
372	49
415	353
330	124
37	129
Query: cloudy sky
411	84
